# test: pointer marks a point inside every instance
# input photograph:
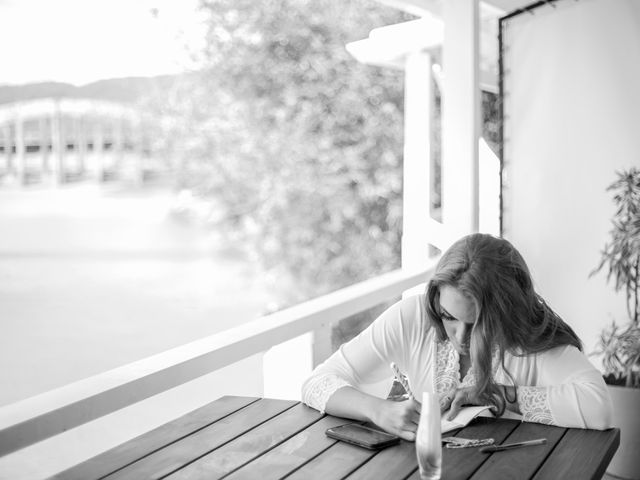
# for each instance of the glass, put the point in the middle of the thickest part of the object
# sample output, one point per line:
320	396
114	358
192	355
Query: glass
429	439
106	201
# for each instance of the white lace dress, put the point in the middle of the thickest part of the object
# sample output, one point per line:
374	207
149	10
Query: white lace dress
558	387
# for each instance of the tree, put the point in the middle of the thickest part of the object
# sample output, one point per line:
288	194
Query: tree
296	146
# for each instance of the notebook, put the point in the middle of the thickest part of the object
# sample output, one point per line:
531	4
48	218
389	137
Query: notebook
463	418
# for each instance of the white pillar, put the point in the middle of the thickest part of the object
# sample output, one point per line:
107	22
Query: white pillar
321	343
137	140
58	146
97	153
80	143
8	146
286	366
416	194
43	141
118	146
20	150
460	117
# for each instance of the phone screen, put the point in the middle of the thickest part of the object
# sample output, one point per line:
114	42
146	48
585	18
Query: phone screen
362	436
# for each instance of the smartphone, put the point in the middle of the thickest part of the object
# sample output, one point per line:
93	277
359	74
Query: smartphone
362	436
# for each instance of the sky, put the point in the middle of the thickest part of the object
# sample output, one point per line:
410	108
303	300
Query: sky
81	41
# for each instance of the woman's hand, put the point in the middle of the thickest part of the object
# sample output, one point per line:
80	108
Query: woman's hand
457	398
399	418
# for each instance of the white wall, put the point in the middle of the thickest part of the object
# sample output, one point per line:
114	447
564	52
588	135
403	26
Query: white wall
572	118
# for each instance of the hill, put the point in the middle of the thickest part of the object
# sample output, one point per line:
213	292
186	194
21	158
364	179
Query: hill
126	90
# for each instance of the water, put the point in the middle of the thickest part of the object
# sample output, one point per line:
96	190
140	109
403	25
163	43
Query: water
94	277
430	472
429	438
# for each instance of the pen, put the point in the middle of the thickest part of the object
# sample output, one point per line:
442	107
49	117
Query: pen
509	446
402	379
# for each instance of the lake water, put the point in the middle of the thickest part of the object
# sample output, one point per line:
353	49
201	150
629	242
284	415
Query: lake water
93	277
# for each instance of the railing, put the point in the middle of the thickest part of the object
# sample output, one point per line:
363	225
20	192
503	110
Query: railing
29	421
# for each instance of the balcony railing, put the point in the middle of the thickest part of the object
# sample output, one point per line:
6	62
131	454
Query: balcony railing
47	415
34	419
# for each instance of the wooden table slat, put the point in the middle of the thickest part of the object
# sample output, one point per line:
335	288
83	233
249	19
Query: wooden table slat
236	453
521	463
397	462
414	476
461	463
335	463
290	455
238	438
581	455
175	456
128	452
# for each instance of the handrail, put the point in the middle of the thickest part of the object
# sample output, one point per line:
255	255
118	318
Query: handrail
28	421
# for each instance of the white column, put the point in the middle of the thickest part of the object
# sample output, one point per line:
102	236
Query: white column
43	141
118	146
137	140
321	343
20	150
287	366
8	147
416	194
460	117
80	143
97	153
58	146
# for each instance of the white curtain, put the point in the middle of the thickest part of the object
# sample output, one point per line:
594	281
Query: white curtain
572	118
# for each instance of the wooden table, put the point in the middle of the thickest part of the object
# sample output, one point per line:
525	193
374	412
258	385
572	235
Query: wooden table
253	438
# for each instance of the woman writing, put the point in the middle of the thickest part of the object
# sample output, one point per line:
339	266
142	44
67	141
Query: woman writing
480	335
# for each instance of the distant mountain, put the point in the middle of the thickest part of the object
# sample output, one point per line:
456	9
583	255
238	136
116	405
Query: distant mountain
126	90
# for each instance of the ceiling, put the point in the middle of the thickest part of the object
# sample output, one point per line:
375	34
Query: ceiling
509	6
418	7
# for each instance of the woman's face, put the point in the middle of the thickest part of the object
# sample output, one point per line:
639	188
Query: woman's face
458	316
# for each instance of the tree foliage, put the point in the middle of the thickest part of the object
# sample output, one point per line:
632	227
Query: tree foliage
296	147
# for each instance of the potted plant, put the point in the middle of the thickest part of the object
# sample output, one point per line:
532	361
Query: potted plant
619	345
620	351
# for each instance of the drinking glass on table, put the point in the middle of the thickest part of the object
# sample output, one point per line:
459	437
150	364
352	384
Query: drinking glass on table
429	439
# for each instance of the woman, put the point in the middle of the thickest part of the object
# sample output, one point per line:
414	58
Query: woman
480	335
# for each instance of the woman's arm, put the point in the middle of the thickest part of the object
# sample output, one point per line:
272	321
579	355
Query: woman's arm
569	392
465	395
336	385
399	418
566	391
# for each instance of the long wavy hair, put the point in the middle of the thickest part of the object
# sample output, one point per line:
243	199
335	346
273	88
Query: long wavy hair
510	315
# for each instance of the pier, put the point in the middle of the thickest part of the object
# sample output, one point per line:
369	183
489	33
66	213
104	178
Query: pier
61	140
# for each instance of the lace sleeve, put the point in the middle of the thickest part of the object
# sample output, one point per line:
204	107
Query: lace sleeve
317	390
534	405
